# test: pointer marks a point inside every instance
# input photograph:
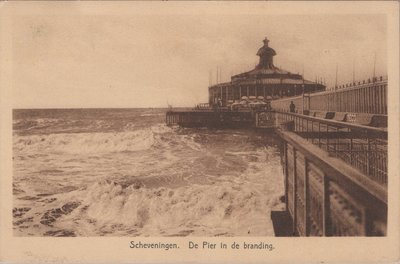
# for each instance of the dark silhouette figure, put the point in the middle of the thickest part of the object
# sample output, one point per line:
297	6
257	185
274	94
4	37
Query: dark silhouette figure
292	107
219	102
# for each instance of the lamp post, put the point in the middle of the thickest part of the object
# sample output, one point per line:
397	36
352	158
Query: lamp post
295	91
302	107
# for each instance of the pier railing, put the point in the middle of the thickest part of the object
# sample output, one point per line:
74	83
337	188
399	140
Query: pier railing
327	196
368	96
363	147
218	117
335	172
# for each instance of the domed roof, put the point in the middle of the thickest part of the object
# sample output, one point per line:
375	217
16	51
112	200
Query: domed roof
265	50
266	56
266	73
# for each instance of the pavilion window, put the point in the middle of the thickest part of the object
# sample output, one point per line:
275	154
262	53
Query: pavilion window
252	91
260	91
237	92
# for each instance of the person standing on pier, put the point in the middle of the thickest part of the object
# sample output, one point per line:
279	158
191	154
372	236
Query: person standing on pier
292	107
219	102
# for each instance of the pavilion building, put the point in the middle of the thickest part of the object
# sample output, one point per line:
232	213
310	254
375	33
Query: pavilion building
264	80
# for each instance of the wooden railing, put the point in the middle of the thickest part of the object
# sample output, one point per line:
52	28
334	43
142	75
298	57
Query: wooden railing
325	195
360	97
362	147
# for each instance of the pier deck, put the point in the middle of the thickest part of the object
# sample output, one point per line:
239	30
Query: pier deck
210	118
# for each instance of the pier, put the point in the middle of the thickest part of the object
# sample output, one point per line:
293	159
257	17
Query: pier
335	176
334	144
334	162
210	118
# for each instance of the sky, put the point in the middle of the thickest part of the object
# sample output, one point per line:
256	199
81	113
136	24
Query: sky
151	59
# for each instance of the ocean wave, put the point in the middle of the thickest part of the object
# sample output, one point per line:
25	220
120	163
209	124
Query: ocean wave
225	208
152	114
85	142
142	178
157	136
28	124
236	203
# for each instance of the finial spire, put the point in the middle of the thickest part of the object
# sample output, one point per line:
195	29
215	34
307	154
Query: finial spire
266	53
266	41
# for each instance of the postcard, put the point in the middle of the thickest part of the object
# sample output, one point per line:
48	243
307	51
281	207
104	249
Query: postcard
199	132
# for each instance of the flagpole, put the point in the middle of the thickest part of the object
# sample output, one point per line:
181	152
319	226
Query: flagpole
336	77
302	105
373	77
335	96
354	79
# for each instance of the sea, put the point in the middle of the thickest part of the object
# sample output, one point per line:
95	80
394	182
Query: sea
124	172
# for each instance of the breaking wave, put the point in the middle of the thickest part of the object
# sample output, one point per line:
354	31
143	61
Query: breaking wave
121	175
89	142
229	206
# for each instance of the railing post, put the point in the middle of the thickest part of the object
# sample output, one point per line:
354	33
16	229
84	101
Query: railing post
286	176
368	155
319	134
326	210
351	148
336	143
306	199
312	131
327	138
294	193
307	129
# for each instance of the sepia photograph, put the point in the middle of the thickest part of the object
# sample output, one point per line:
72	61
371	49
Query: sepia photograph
247	152
175	121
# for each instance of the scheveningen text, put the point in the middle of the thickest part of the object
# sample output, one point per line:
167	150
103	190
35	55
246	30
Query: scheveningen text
165	246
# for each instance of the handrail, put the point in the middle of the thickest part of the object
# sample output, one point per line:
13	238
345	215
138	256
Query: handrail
377	130
362	147
356	86
332	91
339	170
326	196
364	98
209	110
